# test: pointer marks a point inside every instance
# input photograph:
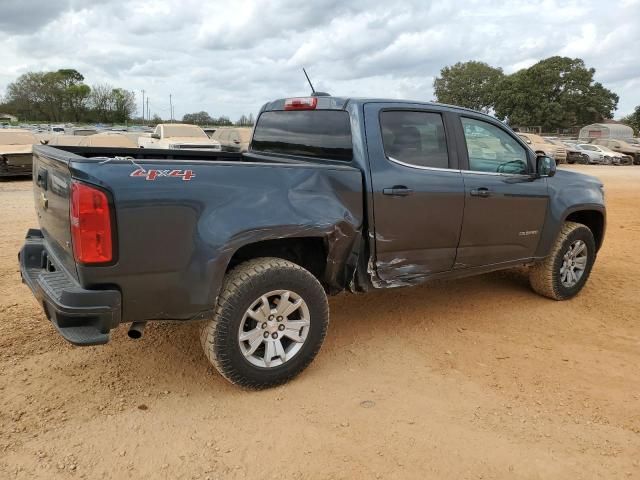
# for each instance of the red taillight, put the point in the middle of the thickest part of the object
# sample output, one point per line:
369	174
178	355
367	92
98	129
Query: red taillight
90	224
303	103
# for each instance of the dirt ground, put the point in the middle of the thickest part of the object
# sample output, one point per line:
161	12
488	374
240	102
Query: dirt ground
478	378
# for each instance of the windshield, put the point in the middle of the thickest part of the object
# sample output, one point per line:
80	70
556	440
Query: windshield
184	131
589	147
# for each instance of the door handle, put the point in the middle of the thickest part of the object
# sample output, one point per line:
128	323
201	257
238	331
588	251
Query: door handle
481	192
397	191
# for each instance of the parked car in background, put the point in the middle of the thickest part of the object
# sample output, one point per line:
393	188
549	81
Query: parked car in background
596	157
626	147
16	151
574	154
108	139
65	140
83	132
544	147
613	158
233	139
179	136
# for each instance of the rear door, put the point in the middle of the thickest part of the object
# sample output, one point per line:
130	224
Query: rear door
505	205
418	192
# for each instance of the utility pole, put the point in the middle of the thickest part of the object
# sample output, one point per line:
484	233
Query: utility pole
148	113
170	108
143	106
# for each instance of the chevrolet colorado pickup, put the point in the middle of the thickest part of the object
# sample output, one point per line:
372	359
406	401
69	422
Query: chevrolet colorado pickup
334	194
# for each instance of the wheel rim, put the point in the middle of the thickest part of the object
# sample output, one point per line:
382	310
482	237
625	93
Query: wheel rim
274	328
574	263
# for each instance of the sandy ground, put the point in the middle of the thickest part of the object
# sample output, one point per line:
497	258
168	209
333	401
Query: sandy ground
478	378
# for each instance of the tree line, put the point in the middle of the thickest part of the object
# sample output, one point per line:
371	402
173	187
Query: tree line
203	118
62	96
556	93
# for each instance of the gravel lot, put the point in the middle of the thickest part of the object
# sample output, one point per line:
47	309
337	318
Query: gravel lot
478	378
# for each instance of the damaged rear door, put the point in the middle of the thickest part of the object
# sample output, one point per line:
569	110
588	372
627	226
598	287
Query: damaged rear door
418	191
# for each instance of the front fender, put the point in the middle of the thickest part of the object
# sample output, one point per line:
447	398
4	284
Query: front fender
569	192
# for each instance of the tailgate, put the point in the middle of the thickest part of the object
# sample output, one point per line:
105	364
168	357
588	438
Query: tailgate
51	190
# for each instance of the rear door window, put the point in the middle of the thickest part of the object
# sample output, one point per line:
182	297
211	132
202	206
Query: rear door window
311	133
414	138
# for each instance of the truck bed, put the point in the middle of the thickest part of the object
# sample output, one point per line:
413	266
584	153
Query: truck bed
179	217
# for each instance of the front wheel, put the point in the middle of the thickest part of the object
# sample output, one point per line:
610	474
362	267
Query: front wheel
269	324
564	272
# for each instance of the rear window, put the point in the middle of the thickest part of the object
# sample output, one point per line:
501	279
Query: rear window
310	133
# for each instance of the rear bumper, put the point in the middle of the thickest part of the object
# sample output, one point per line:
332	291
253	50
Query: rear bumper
82	317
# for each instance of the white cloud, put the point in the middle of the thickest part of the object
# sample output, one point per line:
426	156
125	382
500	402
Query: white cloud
230	57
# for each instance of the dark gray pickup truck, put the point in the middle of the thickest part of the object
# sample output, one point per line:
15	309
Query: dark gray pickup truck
334	194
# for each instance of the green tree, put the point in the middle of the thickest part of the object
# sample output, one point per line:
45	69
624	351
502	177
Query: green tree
557	92
470	84
123	105
198	118
633	120
63	96
222	121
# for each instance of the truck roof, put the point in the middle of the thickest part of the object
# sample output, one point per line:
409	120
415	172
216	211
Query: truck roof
329	102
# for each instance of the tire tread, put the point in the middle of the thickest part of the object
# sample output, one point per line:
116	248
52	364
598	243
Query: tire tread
542	275
215	329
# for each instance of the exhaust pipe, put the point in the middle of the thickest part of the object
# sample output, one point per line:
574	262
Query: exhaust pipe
136	329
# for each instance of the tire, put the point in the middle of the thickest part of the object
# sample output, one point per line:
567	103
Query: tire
245	285
545	276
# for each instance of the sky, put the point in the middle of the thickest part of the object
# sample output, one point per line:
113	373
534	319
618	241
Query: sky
230	57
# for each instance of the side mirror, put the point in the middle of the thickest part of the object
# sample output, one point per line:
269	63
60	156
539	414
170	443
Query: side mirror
156	136
545	166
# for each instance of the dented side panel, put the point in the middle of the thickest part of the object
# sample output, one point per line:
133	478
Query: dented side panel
176	237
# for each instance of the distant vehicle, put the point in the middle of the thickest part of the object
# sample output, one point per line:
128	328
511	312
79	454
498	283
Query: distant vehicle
574	154
544	147
626	147
612	157
335	194
16	151
233	139
179	136
596	157
108	139
83	132
57	130
65	140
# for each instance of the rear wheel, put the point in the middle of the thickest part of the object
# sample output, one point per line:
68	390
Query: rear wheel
269	324
564	272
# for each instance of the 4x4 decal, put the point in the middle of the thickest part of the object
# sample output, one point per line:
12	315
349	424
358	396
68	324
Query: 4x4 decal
152	174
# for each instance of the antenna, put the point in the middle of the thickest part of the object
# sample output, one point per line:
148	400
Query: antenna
313	90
